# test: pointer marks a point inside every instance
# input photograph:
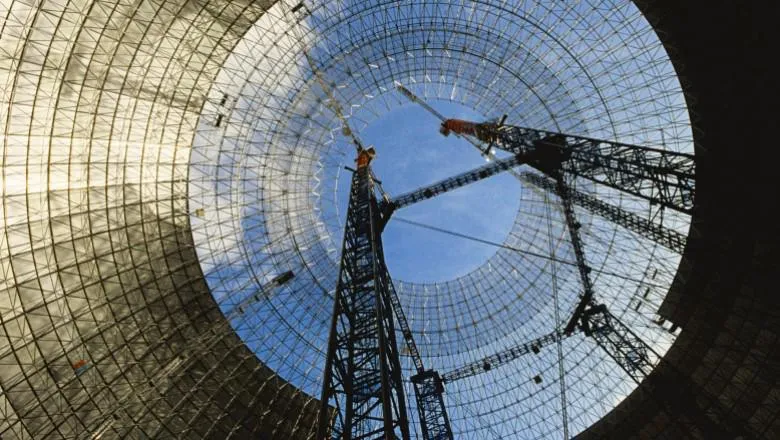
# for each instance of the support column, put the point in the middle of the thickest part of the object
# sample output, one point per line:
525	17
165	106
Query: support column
362	377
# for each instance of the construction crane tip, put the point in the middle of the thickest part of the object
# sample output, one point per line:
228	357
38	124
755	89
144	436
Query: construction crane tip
406	92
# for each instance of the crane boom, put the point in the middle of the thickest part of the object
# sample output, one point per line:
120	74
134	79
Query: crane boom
449	184
666	237
331	102
669	238
412	97
662	177
501	358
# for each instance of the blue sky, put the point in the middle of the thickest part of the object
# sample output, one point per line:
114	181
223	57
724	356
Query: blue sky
410	154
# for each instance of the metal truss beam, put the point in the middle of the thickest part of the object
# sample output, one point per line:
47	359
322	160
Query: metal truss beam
403	324
620	343
429	390
664	178
362	377
666	237
300	12
564	192
501	358
450	184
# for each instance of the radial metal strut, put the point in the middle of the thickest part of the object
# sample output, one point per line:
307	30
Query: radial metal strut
362	377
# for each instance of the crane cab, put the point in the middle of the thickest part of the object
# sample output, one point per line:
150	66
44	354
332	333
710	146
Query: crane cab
365	157
486	131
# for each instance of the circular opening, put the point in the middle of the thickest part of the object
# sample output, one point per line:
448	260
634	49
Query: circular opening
412	154
202	124
273	180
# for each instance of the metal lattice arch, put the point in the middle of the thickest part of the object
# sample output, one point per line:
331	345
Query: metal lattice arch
164	161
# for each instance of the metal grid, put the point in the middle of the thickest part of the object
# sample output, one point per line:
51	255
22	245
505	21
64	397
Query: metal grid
156	152
101	289
269	152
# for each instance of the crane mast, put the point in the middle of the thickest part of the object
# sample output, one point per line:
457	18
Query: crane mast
357	409
362	377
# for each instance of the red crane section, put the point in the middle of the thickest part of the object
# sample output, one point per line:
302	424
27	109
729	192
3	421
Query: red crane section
486	131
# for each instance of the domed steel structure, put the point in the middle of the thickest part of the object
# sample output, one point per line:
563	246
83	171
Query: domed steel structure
174	199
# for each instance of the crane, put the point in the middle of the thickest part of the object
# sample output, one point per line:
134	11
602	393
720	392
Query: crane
661	177
666	237
362	377
362	393
635	357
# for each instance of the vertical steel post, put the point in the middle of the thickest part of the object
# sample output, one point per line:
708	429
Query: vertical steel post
429	389
362	378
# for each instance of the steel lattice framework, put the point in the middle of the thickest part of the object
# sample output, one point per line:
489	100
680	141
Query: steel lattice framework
362	372
637	224
163	161
662	177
